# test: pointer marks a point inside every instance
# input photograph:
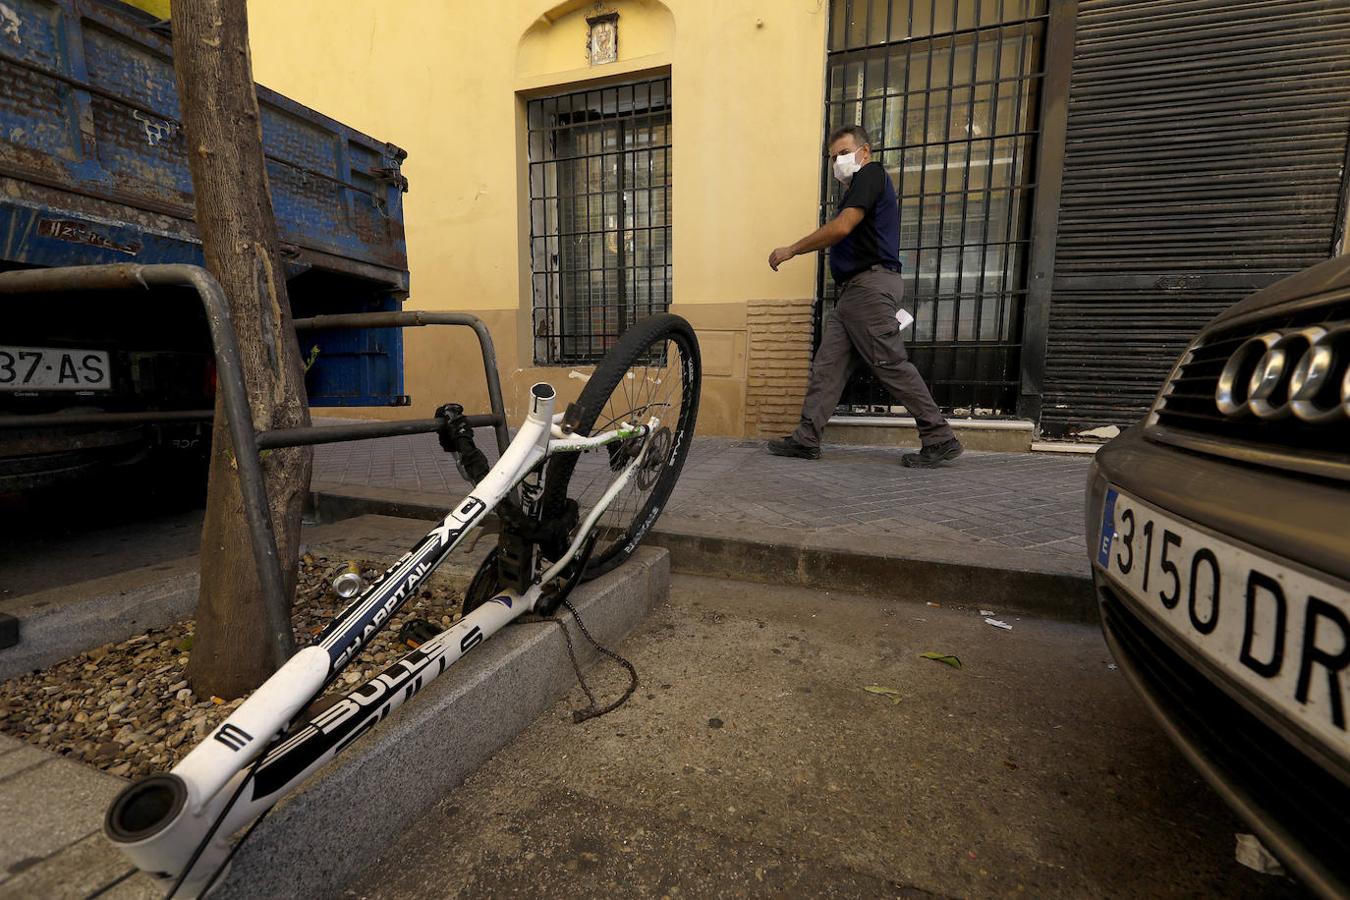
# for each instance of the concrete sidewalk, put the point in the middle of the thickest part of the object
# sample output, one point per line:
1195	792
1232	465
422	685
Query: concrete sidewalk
753	762
991	528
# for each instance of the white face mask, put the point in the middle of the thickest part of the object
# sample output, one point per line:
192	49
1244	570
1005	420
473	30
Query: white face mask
845	166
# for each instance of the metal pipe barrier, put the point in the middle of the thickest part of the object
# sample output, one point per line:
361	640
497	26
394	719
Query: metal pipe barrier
418	319
247	441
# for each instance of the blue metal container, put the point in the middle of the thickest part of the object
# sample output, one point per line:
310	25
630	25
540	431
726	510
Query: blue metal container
93	169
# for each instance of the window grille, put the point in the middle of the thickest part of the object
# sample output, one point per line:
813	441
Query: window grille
600	189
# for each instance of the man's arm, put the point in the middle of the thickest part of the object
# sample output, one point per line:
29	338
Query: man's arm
827	235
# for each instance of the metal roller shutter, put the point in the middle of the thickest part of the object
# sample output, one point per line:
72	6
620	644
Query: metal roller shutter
1204	158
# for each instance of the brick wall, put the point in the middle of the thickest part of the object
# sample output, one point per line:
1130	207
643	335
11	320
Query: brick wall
779	362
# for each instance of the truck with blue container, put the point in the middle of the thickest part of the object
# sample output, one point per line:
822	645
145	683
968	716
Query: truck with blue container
93	169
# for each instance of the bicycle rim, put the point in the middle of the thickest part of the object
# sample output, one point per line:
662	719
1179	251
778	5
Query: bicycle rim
653	371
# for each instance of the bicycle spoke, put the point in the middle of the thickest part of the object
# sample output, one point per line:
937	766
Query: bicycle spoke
653	386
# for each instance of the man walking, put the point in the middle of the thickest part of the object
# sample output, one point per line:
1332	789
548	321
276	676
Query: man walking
865	263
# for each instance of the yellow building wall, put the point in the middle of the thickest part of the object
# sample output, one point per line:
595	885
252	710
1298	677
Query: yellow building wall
154	7
448	82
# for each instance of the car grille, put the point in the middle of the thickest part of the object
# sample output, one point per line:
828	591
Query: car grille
1308	803
1188	415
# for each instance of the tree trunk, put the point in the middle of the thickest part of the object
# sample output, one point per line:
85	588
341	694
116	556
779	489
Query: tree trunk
235	647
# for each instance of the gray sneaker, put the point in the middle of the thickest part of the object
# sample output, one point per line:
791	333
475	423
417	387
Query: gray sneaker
787	446
932	455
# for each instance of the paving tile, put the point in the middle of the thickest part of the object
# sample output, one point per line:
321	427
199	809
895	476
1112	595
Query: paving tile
25	756
58	803
1005	500
79	870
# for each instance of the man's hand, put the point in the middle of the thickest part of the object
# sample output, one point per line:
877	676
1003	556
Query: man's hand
827	235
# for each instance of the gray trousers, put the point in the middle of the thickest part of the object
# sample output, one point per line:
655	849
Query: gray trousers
863	331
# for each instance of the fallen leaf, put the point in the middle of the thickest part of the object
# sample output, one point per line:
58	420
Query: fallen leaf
886	691
942	658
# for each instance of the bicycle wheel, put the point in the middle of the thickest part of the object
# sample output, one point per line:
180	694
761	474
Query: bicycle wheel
653	371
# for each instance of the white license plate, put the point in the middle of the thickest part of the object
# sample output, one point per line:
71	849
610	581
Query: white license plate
1280	632
51	369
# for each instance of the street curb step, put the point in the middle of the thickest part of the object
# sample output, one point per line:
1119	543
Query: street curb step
58	623
326	505
61	622
311	845
978	576
1018	581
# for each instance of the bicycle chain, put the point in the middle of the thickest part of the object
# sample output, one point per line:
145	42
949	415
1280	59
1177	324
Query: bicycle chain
593	711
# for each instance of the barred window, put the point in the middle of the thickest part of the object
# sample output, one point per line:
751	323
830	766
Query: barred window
949	91
599	216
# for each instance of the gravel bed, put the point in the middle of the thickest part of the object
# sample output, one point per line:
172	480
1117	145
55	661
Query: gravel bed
127	707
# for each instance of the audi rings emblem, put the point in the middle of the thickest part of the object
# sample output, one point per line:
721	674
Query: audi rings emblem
1300	372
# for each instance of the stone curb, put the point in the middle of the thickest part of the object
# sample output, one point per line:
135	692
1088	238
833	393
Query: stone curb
61	622
974	575
1012	583
339	822
358	500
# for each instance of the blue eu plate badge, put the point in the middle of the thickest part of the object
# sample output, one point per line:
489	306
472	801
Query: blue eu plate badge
1108	527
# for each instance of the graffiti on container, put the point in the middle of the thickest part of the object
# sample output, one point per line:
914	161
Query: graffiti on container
156	130
80	233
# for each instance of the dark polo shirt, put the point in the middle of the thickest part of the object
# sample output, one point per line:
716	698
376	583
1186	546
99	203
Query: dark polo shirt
876	240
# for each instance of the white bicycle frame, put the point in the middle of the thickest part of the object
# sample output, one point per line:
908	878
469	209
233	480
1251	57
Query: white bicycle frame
187	816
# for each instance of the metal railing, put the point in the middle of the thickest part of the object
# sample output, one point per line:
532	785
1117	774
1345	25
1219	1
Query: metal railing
247	442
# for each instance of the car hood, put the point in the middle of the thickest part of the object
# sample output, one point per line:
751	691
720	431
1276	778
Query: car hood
1330	277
